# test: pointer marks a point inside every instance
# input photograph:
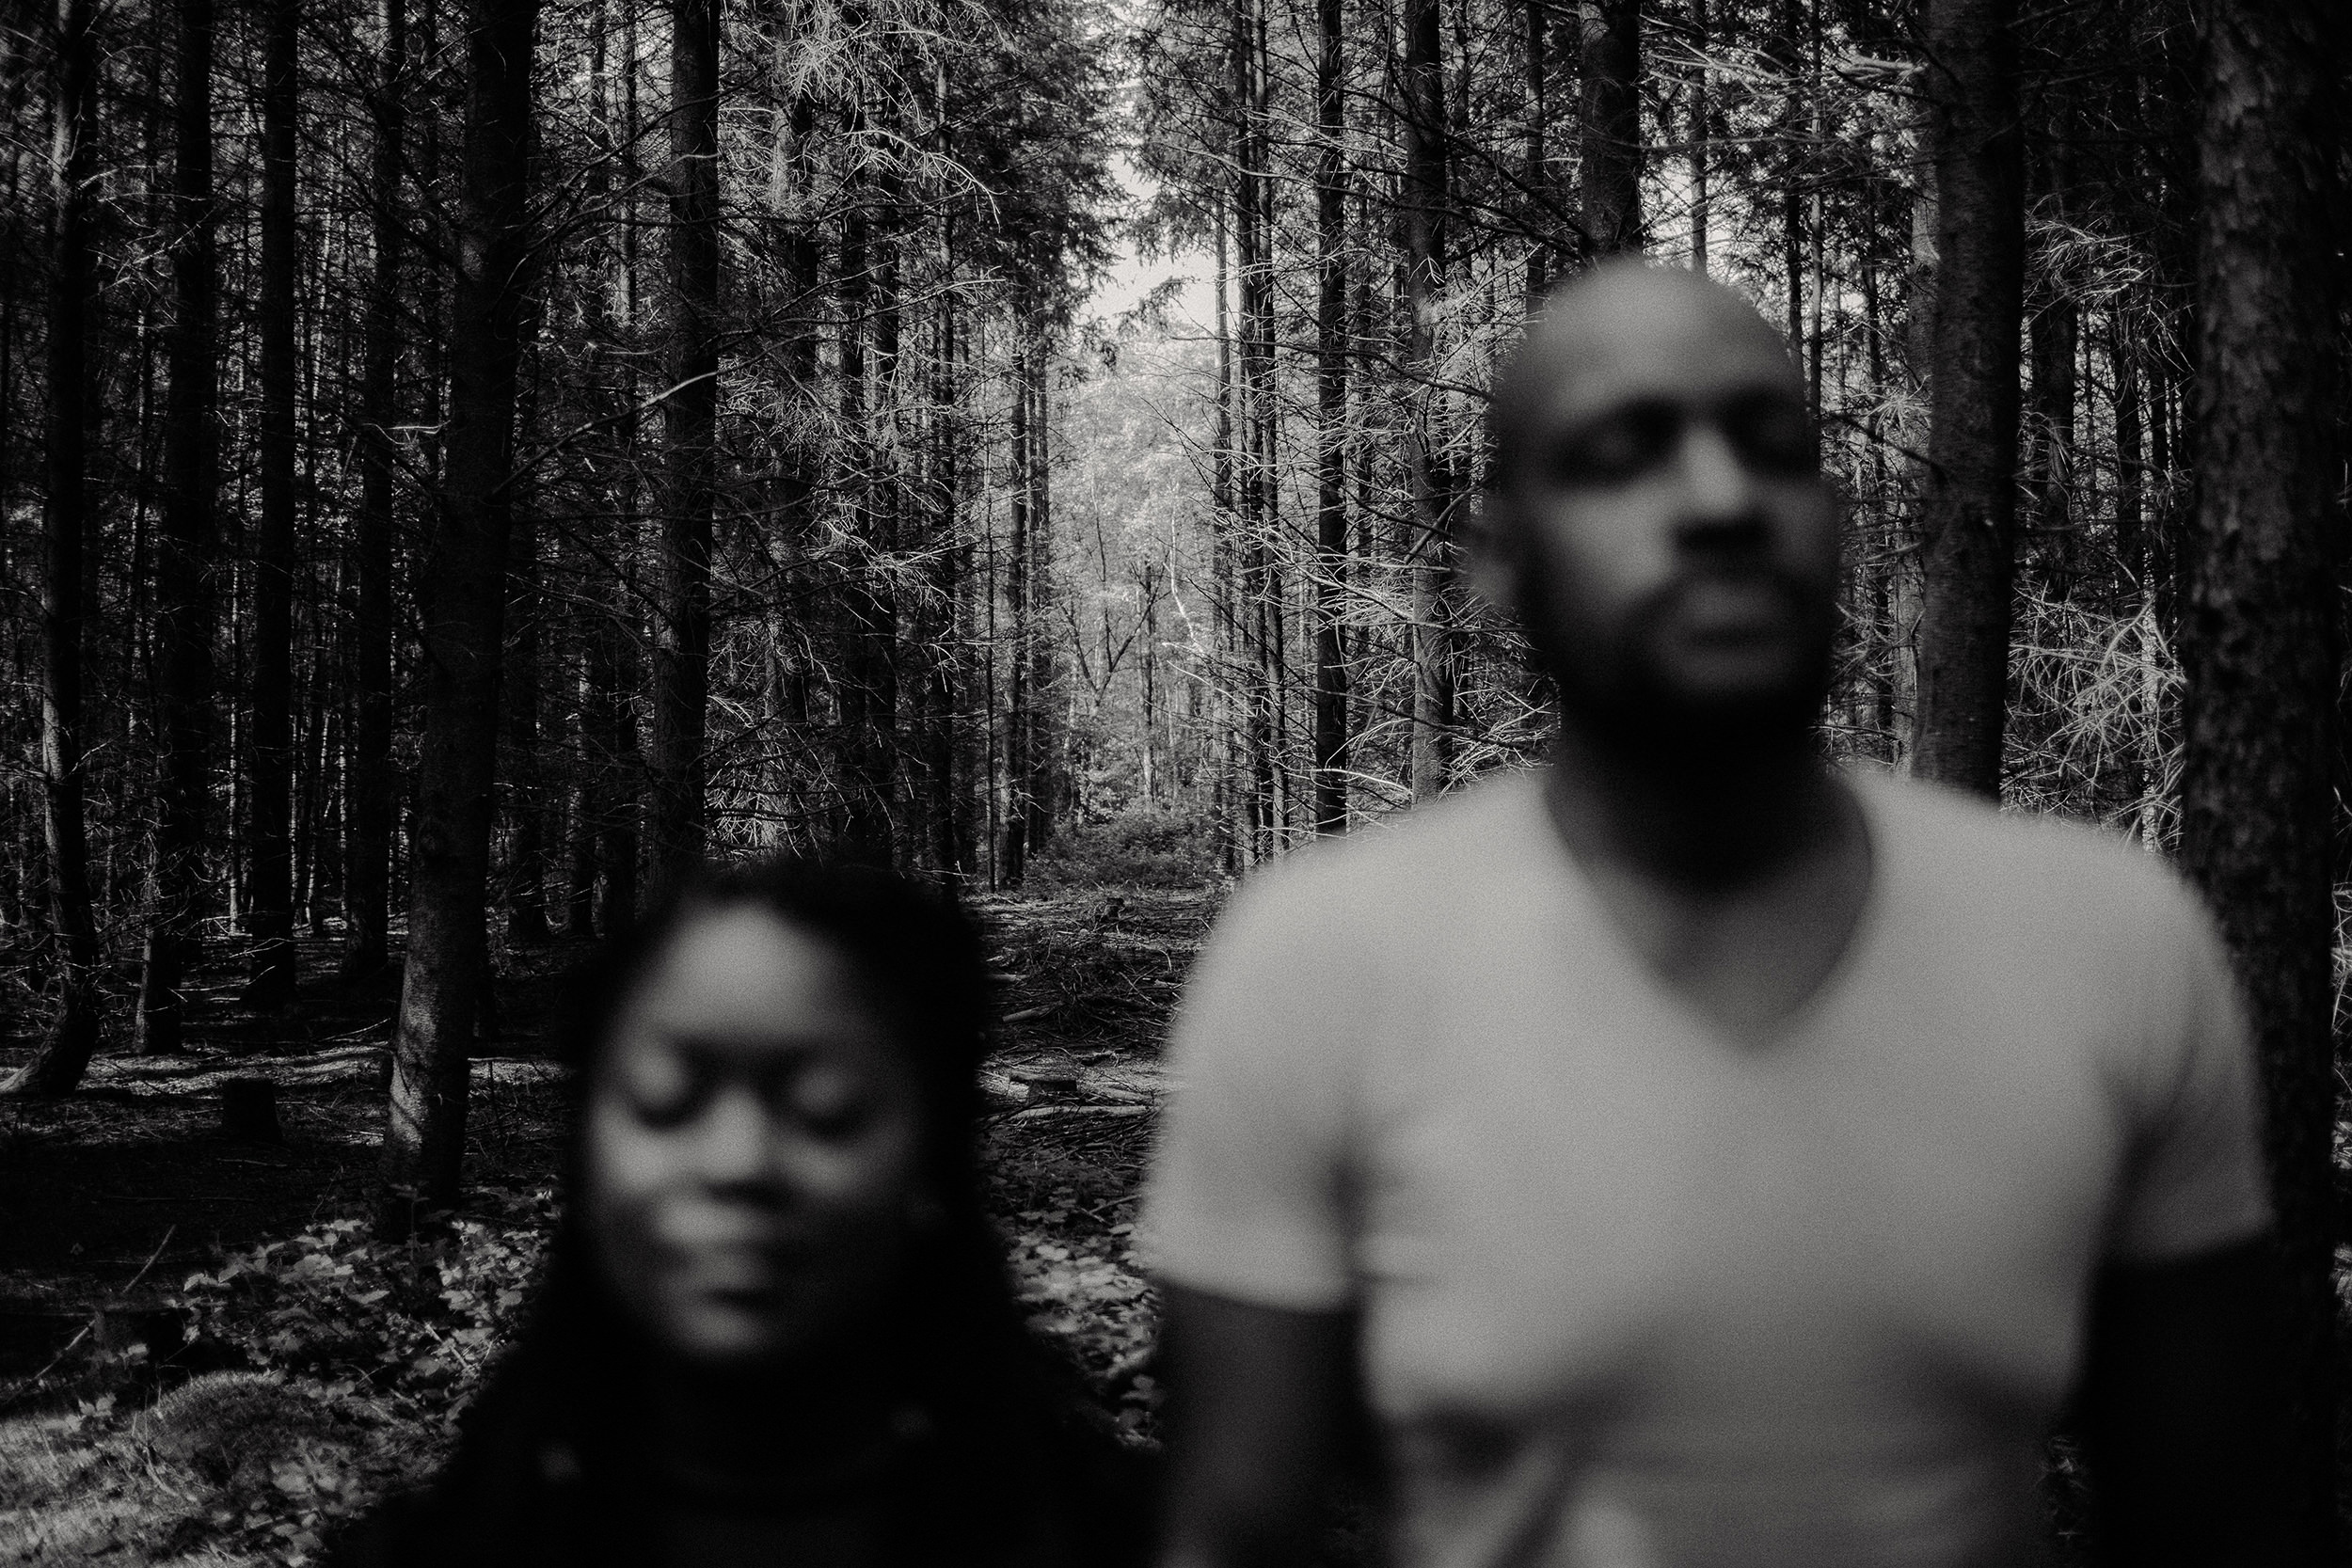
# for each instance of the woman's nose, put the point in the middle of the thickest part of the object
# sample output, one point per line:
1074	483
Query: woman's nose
735	1145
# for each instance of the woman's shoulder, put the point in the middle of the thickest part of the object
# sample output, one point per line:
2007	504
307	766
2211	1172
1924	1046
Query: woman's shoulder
511	1492
1023	1462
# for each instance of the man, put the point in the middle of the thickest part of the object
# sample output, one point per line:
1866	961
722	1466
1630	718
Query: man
1695	1155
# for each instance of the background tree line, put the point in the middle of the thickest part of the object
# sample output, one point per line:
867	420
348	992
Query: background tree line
509	451
465	459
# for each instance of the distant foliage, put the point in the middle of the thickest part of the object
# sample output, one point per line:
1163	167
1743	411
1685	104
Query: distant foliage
1151	844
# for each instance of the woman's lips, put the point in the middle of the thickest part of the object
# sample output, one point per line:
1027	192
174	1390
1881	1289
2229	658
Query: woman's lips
724	1251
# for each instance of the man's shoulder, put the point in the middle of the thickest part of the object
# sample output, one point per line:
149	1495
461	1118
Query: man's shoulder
2011	865
1413	859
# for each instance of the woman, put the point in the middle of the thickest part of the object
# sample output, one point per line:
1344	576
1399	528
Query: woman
775	1327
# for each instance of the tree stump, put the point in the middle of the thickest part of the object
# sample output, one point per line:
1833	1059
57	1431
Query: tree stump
118	1325
248	1111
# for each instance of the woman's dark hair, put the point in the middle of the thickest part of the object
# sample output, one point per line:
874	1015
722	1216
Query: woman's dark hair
1011	1453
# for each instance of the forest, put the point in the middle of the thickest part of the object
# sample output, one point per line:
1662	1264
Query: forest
462	462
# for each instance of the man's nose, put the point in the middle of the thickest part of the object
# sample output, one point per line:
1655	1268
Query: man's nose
1718	513
1715	482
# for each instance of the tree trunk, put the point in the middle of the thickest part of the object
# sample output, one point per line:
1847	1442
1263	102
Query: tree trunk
318	812
1612	193
1968	514
613	674
1426	201
1879	577
800	462
1224	635
972	613
2053	338
1012	863
948	846
2135	596
270	742
2131	528
581	807
447	971
188	552
1781	48
607	862
526	878
1904	575
1255	391
1041	794
886	838
1701	134
523	886
576	557
869	691
1330	801
73	1037
1817	230
367	871
1535	172
2258	641
690	426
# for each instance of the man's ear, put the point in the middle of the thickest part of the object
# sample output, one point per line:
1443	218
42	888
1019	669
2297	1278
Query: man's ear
1492	554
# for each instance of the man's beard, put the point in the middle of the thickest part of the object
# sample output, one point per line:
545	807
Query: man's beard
1624	696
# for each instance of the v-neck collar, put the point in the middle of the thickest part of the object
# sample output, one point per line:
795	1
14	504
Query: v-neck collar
1592	911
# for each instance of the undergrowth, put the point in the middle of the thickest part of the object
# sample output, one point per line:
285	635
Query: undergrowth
419	1317
231	1467
1149	845
359	1356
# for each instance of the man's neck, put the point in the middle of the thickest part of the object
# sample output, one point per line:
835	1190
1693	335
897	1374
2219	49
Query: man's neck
1703	822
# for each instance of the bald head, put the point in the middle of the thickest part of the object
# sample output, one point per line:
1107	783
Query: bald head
1617	331
1658	518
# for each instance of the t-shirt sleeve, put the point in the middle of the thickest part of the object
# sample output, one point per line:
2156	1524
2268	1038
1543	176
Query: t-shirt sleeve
2195	1179
1245	1196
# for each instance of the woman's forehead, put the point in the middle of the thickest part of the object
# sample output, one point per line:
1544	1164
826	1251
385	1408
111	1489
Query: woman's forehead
745	970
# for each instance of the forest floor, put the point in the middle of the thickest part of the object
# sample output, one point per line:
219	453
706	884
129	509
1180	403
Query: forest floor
204	1359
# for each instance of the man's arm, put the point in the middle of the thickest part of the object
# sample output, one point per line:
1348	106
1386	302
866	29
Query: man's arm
1260	1400
2183	1409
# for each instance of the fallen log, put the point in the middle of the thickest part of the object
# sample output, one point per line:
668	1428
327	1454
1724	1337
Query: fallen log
1040	1113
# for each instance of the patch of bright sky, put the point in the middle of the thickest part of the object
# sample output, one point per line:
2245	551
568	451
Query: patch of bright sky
1131	276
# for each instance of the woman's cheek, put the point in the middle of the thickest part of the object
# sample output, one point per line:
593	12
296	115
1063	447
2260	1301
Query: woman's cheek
858	1177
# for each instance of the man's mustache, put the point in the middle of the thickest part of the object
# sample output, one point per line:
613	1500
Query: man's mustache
1671	601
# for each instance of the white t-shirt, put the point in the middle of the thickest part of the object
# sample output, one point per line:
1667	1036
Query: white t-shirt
1636	1294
